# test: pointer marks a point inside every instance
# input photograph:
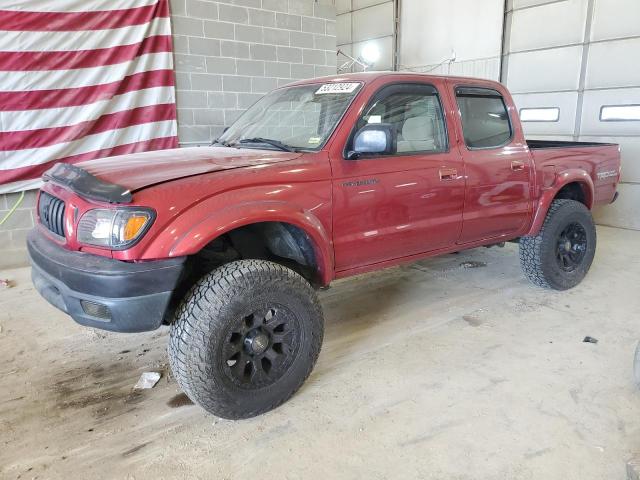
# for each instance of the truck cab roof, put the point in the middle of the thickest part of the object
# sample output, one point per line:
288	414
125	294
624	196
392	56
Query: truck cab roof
369	77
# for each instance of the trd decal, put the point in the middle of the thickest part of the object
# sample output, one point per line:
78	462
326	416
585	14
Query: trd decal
607	174
360	183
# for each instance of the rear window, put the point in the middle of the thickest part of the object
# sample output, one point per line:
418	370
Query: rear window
485	120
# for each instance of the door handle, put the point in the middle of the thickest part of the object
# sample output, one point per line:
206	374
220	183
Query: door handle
448	174
517	165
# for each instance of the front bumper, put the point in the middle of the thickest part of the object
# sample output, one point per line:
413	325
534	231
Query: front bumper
102	292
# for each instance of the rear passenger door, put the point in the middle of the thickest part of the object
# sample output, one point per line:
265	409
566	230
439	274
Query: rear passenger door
497	167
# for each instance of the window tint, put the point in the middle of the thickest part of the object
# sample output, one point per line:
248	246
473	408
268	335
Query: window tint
415	113
485	121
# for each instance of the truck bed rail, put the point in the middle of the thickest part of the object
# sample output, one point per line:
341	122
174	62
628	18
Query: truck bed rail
540	144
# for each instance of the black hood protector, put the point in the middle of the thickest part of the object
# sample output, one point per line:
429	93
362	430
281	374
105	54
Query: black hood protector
87	185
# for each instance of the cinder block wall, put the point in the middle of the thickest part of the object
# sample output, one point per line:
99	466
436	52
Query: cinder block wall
13	232
227	54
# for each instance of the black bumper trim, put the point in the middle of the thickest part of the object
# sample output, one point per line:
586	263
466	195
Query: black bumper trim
136	294
102	276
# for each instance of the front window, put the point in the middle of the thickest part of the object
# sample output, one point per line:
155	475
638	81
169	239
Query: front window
292	118
414	113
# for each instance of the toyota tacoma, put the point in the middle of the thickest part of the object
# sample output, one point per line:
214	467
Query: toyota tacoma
318	180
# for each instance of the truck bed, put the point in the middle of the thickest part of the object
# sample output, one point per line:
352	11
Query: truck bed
540	144
601	161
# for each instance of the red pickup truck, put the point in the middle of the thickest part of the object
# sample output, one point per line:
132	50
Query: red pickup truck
318	180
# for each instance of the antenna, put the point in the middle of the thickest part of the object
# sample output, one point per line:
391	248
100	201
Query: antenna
349	63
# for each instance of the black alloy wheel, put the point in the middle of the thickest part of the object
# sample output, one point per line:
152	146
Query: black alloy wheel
261	347
572	246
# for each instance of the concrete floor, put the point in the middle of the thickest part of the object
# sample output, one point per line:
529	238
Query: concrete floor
428	371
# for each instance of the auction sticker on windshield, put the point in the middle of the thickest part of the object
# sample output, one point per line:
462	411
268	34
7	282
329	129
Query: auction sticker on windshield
337	88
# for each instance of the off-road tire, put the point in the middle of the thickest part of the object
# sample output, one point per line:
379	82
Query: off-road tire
538	255
208	314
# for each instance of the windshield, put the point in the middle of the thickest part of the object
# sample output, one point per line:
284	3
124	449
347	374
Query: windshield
291	118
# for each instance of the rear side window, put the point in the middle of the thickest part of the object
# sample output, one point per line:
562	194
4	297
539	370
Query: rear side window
485	121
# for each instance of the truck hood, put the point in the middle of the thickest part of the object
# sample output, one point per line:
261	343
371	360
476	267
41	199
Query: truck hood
140	170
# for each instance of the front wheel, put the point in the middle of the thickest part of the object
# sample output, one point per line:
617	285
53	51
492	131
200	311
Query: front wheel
245	338
560	255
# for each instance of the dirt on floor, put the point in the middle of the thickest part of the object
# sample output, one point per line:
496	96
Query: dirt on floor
450	368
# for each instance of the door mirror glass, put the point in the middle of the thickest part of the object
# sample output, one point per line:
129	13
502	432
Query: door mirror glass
374	138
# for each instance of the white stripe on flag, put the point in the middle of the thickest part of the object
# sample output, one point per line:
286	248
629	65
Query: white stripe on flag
136	133
72	5
61	117
11	41
83	77
20	186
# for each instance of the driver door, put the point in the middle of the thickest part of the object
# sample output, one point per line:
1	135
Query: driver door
408	201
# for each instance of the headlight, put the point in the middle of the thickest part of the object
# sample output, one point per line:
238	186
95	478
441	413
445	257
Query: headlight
114	228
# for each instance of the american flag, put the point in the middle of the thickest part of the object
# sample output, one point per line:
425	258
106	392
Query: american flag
82	79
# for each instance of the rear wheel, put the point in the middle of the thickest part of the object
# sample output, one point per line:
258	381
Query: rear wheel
560	255
245	338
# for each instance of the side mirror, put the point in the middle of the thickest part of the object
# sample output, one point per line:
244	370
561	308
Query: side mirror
374	138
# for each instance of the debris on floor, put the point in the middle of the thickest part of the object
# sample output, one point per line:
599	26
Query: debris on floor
147	380
472	320
180	400
5	283
589	339
472	264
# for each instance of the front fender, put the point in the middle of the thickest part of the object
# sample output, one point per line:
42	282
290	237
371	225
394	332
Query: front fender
549	194
221	221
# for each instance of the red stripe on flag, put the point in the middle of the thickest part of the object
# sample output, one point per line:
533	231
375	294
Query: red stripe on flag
44	137
71	97
69	60
153	120
35	171
15	20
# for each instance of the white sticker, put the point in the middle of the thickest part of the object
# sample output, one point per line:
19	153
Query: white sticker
337	88
375	119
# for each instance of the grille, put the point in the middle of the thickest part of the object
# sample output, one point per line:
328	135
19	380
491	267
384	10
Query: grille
51	212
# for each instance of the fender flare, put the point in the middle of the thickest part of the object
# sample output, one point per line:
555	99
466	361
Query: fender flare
222	221
548	194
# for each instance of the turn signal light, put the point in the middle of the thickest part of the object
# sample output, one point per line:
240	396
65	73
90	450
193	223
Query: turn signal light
134	225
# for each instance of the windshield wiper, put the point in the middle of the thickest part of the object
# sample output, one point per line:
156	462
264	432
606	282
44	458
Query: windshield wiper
223	143
269	141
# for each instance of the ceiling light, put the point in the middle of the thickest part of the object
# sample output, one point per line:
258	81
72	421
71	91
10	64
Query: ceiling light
370	53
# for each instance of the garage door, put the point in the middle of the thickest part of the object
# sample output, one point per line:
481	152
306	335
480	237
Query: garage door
363	22
573	65
431	31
